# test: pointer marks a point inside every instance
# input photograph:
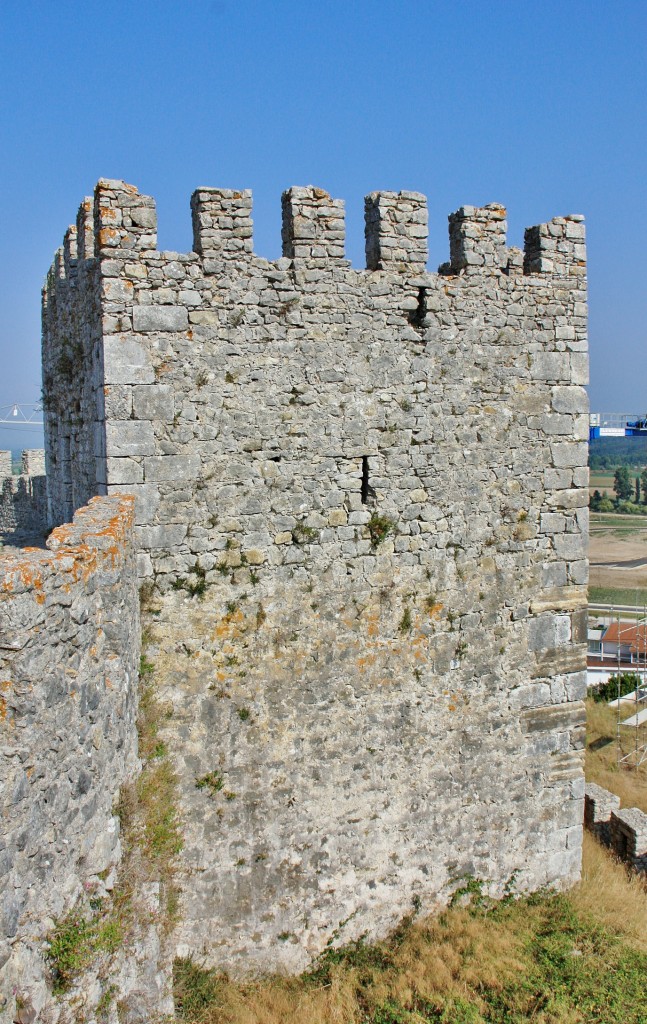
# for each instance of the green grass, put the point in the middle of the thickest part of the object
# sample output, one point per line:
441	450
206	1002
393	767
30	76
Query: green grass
211	781
78	938
619	520
619	595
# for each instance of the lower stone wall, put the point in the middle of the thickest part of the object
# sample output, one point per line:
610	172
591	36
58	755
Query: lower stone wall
23	499
69	653
335	771
625	831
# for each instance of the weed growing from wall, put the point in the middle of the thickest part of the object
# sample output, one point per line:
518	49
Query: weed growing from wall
211	781
379	528
302	534
79	938
196	586
406	622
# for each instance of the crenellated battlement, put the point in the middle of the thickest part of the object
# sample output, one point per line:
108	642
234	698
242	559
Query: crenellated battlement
396	231
120	220
477	239
222	222
123	219
313	226
556	248
85	229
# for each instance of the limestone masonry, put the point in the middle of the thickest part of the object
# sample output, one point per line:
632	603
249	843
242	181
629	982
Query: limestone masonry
361	504
23	498
69	653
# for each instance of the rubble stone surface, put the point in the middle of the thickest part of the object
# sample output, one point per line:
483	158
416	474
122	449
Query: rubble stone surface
69	653
362	496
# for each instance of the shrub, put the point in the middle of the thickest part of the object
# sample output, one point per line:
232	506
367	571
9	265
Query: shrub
629	681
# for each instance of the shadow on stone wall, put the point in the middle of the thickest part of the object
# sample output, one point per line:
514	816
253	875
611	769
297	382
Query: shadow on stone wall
23	500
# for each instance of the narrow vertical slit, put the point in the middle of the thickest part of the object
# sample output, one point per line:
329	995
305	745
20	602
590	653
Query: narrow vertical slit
365	483
418	316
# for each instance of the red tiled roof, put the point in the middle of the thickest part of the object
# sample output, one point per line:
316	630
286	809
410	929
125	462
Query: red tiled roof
634	637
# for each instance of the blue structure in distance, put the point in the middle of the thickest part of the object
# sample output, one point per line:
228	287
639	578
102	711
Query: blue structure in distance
616	424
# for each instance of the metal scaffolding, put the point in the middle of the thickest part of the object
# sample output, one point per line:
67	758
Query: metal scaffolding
631	731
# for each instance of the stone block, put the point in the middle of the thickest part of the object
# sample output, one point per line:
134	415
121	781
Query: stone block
147	499
148	319
176	468
532	695
115	402
129	437
550	366
154	402
167	537
541	632
126	361
124	471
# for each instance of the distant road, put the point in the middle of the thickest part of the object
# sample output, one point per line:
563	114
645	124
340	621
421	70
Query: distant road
630	609
634	563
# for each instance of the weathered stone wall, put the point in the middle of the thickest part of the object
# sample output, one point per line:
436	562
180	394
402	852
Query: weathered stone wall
72	354
69	652
625	831
379	478
23	498
629	836
598	806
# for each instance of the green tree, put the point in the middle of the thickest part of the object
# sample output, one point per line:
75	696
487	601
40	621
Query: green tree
622	486
644	485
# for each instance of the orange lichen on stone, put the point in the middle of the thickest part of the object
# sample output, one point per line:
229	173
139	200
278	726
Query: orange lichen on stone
5	715
373	625
107	213
230	627
365	661
24	572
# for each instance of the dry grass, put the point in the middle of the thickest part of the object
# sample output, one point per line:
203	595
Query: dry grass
611	894
601	758
439	961
510	963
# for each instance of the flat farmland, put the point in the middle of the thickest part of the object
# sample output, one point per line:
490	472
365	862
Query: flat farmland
602	480
618	554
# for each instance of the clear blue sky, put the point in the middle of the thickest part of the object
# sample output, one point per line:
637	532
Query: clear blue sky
537	105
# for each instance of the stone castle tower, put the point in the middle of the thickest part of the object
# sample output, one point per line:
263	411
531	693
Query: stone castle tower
380	477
